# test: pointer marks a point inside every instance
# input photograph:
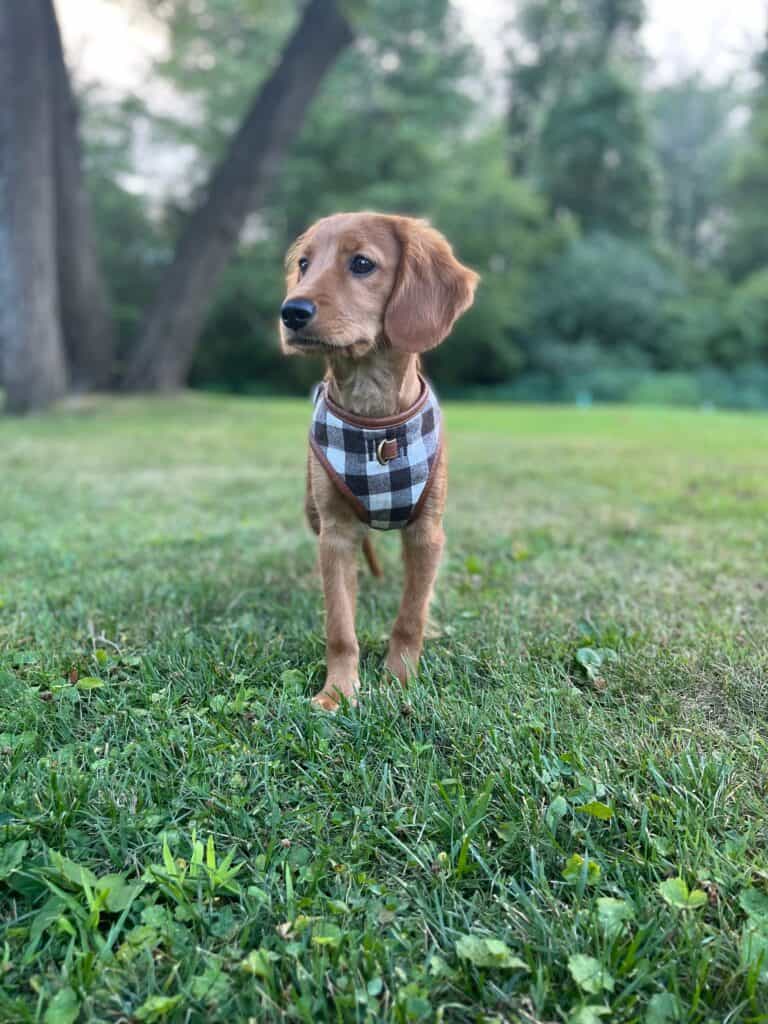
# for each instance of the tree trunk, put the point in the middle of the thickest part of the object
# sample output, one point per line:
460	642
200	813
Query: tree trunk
167	345
86	315
34	372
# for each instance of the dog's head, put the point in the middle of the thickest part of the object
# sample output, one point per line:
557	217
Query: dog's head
357	280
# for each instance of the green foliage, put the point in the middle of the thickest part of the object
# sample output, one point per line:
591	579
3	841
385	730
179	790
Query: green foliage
555	44
577	122
609	293
64	1008
239	351
747	248
595	159
581	872
694	139
502	229
219	53
717	324
666	389
754	936
594	660
589	974
488	953
638	306
663	1008
413	115
132	244
700	328
614	915
749	313
678	895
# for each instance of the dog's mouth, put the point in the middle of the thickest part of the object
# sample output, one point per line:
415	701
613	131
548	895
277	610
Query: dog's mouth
307	342
311	343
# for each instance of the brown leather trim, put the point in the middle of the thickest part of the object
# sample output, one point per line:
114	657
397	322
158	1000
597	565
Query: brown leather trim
371	423
433	473
341	486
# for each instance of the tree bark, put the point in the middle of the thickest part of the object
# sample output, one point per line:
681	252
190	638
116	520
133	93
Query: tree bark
85	308
237	187
34	369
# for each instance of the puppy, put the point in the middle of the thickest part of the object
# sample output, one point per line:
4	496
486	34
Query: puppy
370	292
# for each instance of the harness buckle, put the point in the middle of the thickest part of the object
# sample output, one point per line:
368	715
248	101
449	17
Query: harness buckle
386	450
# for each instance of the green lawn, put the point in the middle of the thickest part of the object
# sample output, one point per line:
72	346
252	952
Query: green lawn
595	687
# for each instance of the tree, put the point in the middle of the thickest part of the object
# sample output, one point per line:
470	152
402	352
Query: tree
134	244
58	326
427	151
578	127
554	44
546	45
747	245
503	229
86	317
693	139
616	27
595	156
219	54
33	361
167	344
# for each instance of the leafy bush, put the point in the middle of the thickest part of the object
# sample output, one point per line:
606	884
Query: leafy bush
749	313
501	228
614	293
666	389
701	331
239	351
745	387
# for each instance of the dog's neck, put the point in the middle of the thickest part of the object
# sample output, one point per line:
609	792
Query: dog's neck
383	382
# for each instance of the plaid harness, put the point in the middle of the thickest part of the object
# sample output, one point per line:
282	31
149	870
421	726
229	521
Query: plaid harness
383	467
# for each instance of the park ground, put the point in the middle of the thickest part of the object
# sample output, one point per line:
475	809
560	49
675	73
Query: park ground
564	817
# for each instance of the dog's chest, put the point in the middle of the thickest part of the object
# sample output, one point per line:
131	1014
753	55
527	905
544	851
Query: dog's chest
383	467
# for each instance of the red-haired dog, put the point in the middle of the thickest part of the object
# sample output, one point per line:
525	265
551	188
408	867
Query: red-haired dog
370	292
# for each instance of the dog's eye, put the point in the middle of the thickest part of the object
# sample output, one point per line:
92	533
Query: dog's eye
361	265
303	264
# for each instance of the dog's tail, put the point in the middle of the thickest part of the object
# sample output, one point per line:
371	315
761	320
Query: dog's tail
370	556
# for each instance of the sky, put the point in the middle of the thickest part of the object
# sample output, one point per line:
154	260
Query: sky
108	43
716	36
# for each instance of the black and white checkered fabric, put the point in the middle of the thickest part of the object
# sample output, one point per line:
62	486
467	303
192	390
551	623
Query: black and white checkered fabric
387	496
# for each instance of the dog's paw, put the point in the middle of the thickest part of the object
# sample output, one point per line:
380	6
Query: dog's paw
399	668
325	702
330	700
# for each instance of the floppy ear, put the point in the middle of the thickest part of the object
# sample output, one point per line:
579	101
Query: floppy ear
432	289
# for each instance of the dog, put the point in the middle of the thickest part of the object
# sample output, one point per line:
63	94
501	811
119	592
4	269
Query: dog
371	292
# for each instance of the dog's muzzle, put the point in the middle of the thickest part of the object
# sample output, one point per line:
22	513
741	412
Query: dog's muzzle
296	313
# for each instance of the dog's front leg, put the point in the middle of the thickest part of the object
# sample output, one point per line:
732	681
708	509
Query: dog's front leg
338	565
423	544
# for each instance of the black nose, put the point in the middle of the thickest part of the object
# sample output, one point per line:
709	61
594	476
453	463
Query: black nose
297	313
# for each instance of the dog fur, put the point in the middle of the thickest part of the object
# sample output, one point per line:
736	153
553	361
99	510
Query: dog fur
371	331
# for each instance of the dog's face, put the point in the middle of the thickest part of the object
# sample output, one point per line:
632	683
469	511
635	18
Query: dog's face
358	280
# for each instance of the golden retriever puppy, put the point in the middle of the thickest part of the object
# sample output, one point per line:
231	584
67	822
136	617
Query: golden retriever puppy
370	292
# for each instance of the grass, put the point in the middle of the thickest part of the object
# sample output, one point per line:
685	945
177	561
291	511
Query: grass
183	839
